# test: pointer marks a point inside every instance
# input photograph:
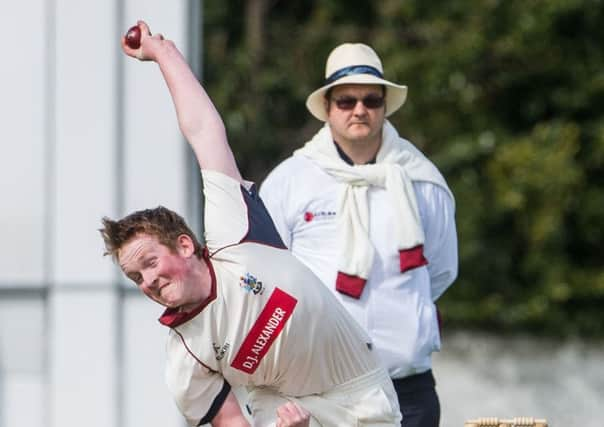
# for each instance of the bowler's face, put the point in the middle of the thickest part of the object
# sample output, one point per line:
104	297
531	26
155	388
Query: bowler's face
161	274
359	125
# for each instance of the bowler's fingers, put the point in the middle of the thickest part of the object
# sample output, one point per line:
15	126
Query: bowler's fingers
146	31
145	34
291	414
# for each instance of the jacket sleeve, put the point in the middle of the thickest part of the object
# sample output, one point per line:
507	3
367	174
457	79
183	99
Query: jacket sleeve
198	391
437	211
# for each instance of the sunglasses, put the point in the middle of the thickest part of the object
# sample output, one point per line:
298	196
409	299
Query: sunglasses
349	102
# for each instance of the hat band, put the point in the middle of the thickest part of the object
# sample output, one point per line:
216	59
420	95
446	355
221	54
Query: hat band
355	69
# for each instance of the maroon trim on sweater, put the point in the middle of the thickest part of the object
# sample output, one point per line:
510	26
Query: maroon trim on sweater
350	285
173	318
412	258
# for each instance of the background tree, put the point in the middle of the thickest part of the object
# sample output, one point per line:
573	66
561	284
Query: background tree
507	98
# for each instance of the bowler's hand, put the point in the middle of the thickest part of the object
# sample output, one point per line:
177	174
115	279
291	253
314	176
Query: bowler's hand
150	44
292	415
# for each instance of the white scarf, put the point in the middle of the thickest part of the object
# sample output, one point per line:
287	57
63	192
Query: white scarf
398	163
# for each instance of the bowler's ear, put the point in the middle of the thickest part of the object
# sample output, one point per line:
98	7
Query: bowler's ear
186	248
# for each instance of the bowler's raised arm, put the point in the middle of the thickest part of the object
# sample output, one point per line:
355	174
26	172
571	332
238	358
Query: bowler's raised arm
198	119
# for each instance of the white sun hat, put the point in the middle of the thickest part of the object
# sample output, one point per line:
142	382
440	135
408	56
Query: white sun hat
354	63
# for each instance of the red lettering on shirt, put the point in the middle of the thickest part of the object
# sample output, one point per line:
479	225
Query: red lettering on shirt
263	333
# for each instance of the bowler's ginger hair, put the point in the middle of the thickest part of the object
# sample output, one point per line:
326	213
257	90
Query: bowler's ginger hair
160	222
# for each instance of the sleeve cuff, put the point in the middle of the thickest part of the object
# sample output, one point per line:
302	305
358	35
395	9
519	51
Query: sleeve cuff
216	404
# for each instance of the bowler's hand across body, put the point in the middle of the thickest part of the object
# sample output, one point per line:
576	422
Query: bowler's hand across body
242	311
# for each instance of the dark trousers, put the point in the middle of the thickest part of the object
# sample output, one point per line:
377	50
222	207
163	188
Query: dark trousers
418	400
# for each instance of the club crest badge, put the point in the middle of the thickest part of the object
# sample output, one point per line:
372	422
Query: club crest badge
220	350
250	284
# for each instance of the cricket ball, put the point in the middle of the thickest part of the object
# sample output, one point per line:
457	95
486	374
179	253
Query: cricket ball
133	37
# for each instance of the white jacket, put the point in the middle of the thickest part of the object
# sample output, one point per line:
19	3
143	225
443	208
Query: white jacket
396	309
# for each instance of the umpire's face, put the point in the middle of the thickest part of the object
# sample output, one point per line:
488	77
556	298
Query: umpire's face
355	113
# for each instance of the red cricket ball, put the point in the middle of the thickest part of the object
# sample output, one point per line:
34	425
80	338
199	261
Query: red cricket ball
133	37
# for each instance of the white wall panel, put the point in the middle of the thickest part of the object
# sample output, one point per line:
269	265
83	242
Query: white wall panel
83	358
147	400
22	361
87	50
22	335
75	357
22	400
22	107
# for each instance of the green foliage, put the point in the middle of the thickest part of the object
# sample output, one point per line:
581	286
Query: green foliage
507	98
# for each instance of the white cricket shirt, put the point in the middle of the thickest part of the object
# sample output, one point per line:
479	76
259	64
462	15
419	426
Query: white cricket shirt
269	321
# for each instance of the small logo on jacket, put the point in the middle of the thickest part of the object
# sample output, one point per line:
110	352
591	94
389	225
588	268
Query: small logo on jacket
310	216
250	284
220	351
